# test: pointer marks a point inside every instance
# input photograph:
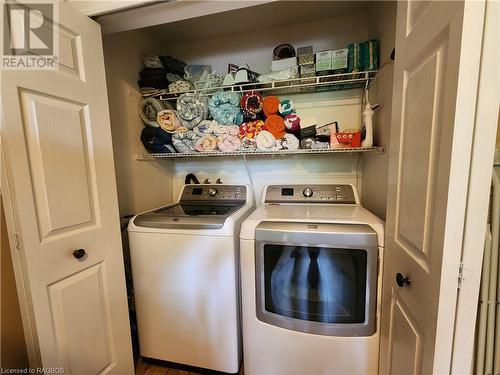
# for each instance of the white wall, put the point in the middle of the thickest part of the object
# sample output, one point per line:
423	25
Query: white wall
374	168
141	185
256	48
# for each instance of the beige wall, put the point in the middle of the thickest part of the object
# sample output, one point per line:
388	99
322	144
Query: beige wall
13	348
374	168
141	185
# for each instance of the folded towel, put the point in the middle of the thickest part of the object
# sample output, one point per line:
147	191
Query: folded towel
152	72
148	111
275	125
156	140
286	107
251	129
206	143
288	142
179	86
271	105
265	141
251	105
224	108
151	61
185	142
192	109
292	122
248	144
228	143
169	122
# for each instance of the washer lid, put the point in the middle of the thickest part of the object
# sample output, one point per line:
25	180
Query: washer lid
189	215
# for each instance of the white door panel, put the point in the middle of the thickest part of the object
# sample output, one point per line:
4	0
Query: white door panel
58	155
427	182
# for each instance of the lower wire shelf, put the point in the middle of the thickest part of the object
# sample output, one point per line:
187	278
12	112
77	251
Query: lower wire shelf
148	157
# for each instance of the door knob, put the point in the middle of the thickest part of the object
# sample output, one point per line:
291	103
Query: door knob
401	280
79	253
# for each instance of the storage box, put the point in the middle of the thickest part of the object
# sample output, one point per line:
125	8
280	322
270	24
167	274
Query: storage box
277	65
306	59
307	50
308	70
307	127
323	61
340	60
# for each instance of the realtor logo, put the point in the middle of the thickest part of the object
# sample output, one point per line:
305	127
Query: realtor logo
29	35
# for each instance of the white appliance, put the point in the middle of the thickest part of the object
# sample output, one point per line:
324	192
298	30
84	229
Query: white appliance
311	278
186	280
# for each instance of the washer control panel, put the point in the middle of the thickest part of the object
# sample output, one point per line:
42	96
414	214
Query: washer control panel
331	194
214	193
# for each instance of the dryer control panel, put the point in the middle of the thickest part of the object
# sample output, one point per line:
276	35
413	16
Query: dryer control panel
324	193
217	192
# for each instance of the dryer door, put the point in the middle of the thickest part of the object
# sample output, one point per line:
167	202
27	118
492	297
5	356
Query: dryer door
317	278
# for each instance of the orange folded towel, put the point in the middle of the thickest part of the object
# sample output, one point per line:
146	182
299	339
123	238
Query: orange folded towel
271	105
275	125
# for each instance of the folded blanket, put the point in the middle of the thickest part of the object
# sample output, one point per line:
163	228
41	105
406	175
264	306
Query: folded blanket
191	109
270	105
228	143
210	127
148	111
292	122
275	125
152	72
185	142
156	140
151	61
224	108
251	129
206	143
265	141
169	122
251	105
173	65
286	107
288	142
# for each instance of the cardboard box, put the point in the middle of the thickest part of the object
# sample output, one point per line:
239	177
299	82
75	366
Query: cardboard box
277	65
323	60
306	59
340	59
306	70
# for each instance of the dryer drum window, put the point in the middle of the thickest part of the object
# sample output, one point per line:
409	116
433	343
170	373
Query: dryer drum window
315	284
322	288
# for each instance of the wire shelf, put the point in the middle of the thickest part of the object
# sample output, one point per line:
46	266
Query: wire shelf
149	157
333	82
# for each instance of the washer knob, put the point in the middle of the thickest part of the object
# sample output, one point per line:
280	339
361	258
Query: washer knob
307	192
212	192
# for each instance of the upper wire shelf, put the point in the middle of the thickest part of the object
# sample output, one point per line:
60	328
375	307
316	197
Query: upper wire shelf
332	82
261	153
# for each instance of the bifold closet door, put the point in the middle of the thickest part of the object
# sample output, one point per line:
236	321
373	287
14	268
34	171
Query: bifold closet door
65	233
438	48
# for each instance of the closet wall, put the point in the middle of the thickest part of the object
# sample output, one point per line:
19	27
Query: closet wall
140	185
188	41
374	169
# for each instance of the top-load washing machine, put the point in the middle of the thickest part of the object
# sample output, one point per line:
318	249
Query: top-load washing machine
186	279
311	279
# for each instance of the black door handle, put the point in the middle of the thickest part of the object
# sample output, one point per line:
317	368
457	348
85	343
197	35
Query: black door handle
401	280
79	253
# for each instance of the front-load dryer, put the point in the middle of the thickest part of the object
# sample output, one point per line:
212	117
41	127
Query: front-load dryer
311	276
186	277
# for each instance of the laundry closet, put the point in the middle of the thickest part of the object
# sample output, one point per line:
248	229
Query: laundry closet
325	26
416	176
